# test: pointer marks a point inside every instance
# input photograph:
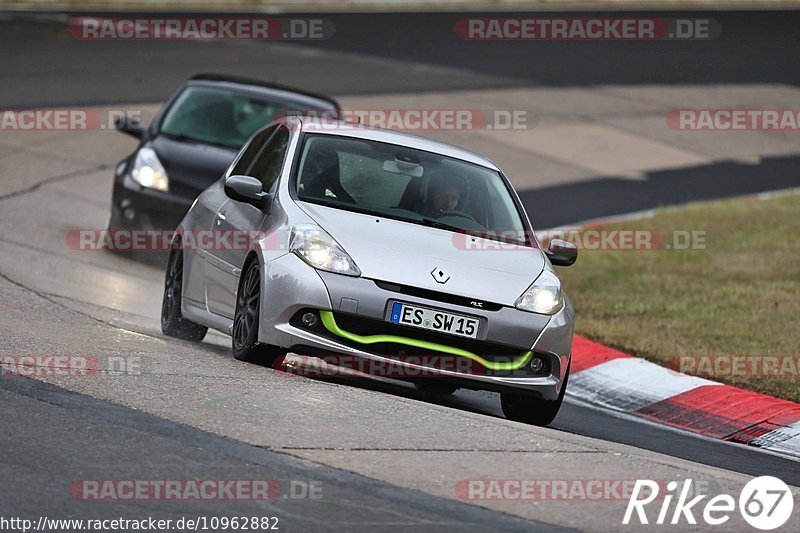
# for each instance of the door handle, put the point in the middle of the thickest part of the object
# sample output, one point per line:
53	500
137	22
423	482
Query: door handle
220	218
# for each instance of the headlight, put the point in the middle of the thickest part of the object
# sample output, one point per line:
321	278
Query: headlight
543	296
314	246
148	171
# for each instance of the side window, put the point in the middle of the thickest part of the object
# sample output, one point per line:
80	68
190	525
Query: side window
251	151
269	162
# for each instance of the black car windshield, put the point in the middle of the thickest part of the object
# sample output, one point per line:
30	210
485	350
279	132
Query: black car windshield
407	184
219	116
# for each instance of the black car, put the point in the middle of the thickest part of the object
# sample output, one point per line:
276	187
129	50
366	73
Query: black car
192	141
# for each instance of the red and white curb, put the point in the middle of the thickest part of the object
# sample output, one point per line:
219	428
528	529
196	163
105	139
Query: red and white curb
612	379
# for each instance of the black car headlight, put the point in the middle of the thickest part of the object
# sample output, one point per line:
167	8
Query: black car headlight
148	171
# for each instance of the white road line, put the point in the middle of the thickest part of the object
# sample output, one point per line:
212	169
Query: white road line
783	440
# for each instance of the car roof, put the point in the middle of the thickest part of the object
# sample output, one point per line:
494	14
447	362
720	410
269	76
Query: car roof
362	131
275	90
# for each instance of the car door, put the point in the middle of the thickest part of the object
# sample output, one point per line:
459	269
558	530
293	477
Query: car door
236	219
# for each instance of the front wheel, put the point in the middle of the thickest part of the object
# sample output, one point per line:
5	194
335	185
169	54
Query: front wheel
530	409
245	320
172	321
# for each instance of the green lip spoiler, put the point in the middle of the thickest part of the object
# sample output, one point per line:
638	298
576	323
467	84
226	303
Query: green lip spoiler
330	324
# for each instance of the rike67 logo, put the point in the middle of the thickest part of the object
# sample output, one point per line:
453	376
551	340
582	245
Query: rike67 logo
765	503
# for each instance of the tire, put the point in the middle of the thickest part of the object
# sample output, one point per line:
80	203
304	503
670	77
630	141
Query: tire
443	389
530	409
172	322
244	333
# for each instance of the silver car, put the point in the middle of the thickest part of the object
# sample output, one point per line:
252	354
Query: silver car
337	239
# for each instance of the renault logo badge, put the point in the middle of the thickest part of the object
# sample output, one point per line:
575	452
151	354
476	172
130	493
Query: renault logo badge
440	275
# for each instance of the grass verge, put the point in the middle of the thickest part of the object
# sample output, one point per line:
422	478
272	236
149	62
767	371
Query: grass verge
737	296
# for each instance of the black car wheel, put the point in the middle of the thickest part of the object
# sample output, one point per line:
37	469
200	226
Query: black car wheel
172	322
245	320
530	409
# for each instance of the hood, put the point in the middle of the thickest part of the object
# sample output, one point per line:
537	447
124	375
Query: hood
404	253
192	167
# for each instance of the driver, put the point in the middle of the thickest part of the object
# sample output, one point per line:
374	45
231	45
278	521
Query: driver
443	196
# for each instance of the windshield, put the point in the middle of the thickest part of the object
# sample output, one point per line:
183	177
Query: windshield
217	116
406	184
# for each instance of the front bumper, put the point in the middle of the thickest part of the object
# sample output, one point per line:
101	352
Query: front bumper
137	207
507	340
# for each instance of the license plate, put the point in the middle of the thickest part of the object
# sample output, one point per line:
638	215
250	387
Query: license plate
430	319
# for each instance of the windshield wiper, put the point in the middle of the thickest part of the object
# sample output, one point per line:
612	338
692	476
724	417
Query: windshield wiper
425	221
186	138
181	137
338	205
432	222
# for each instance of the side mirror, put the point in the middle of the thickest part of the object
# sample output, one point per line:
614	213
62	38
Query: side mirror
562	253
246	189
130	126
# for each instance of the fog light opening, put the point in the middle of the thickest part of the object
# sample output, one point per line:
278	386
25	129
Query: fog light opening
310	319
537	364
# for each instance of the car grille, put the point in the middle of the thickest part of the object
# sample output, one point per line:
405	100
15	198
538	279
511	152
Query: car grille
428	294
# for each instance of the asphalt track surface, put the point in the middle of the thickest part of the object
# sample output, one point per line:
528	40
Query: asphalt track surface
103	433
43	68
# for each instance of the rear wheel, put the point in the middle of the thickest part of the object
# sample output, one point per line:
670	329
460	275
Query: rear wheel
172	321
246	318
530	409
